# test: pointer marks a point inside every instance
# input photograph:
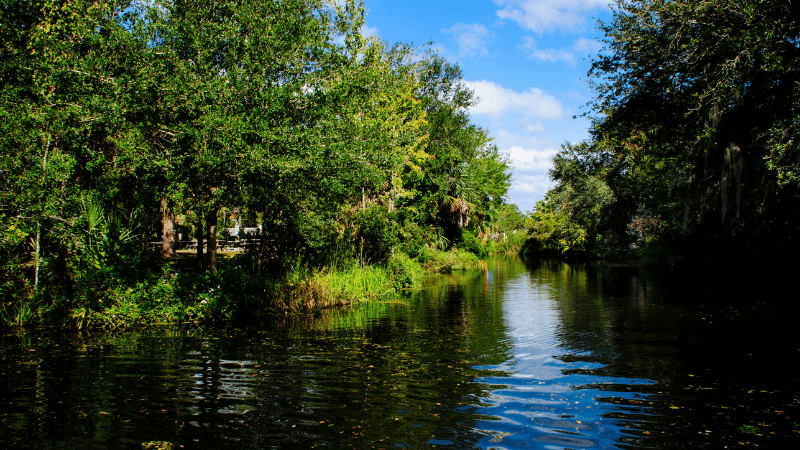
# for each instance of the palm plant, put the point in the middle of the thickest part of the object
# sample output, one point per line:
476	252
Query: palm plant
105	234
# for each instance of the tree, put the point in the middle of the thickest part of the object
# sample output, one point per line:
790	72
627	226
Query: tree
118	114
465	179
69	74
700	100
239	98
582	205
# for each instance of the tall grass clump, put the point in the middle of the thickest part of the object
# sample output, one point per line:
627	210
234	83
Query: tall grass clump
18	313
433	260
303	290
358	282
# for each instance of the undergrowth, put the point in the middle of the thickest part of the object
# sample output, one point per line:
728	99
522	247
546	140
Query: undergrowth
179	293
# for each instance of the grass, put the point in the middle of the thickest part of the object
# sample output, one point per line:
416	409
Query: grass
18	313
444	261
178	293
358	283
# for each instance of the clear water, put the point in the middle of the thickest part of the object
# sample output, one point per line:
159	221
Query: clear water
544	355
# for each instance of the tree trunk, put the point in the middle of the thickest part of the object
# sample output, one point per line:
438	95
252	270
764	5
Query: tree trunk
211	224
168	230
39	225
198	233
36	270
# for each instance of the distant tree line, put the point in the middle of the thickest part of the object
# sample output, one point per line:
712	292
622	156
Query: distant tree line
694	150
122	119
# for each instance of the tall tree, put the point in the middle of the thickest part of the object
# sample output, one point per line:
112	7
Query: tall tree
236	100
69	72
700	100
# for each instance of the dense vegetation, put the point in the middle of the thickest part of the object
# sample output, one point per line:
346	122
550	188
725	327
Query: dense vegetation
694	150
129	122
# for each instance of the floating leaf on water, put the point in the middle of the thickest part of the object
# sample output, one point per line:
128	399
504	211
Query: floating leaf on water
158	445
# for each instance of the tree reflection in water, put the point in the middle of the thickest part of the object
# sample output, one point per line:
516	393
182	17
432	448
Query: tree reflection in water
542	355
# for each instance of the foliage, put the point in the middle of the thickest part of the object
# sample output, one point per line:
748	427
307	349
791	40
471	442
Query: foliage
404	271
581	206
694	124
551	230
473	244
433	260
153	300
376	234
704	94
119	114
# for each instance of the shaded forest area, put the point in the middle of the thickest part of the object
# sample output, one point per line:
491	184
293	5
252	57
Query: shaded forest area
124	123
693	155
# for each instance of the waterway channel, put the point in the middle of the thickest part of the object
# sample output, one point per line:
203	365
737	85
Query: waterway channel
529	354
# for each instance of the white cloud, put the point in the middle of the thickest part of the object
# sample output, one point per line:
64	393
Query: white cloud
531	159
531	179
587	46
548	15
577	95
495	100
528	187
526	149
472	39
550	54
530	126
368	31
530	176
580	48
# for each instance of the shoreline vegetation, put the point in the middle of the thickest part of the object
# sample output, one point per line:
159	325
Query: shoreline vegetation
341	166
344	167
180	294
693	156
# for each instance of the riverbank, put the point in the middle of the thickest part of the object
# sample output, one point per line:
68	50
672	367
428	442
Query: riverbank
180	293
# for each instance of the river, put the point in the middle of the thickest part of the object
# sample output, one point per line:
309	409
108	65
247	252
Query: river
529	354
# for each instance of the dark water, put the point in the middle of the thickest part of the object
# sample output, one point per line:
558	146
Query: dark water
528	355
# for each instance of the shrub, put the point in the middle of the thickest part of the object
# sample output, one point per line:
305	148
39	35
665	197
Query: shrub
404	271
433	260
377	233
472	243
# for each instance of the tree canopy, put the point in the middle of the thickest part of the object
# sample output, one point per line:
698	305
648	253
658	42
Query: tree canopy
123	120
695	125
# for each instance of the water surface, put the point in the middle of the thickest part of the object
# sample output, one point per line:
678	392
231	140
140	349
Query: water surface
543	354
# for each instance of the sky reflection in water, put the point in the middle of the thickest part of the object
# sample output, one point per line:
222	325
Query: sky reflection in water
545	401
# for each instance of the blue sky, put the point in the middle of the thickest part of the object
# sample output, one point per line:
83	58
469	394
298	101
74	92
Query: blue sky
525	59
